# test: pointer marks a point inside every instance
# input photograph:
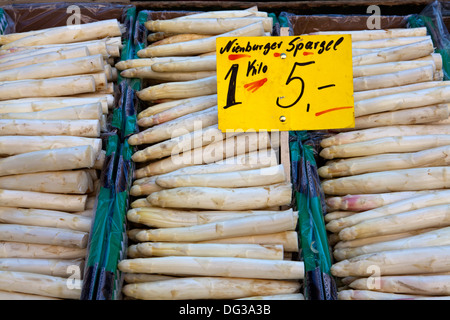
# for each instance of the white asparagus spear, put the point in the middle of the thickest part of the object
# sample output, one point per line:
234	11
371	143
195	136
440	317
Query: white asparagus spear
414	179
40	104
250	251
436	58
144	188
245	178
185	142
114	41
88	111
429	217
388	42
250	225
164	106
18	53
39	284
108	71
10	249
195	47
252	160
439	75
252	11
52	87
201	103
49	160
365	35
419	201
264	157
148	73
333	215
58	68
63	54
246	161
12	145
361	51
378	239
396	262
388	131
36	127
179	89
214	152
364	95
434	285
67	34
438	237
110	99
72	182
50	267
102	84
175	128
211	26
7	38
208	288
350	294
153	37
216	266
114	74
394	78
7	295
400	53
363	202
249	198
174	38
445	121
100	161
390	67
207	63
383	162
406	100
109	88
94	47
42	200
113	52
171	218
419	115
145	277
140	203
395	144
289	240
132	252
146	62
85	213
45	218
44	235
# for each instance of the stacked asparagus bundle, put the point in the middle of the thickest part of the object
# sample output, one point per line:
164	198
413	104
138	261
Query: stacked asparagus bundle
386	179
55	97
206	222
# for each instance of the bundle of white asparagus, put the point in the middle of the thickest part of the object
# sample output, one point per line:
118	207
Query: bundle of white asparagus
386	179
55	95
210	217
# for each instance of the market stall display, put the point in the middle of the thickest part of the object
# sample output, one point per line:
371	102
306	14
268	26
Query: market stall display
385	180
57	89
212	199
117	184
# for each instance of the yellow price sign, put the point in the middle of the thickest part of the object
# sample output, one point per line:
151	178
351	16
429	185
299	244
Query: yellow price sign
285	83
